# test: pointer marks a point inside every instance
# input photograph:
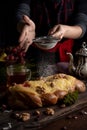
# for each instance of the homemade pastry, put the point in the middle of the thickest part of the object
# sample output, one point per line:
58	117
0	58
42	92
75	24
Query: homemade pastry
44	91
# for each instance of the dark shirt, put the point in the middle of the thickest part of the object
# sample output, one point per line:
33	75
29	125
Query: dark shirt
47	13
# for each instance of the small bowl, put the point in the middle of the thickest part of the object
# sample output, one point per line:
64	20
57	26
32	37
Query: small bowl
45	42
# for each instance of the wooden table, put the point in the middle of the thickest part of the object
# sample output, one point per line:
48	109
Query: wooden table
72	117
73	121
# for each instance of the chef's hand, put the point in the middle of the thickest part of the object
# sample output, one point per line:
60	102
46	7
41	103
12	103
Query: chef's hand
64	31
57	31
27	32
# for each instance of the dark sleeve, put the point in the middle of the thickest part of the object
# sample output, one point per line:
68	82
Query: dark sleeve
81	15
23	8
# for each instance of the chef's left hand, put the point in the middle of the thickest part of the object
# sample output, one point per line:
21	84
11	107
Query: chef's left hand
58	31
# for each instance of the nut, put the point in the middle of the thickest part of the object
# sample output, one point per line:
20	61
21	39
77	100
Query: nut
40	90
23	116
49	111
37	112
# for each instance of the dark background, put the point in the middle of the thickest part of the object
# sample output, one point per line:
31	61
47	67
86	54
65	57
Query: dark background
8	31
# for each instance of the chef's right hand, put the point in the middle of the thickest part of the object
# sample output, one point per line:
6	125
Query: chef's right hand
27	32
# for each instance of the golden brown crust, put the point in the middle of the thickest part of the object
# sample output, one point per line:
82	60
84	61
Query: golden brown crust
47	90
80	86
49	98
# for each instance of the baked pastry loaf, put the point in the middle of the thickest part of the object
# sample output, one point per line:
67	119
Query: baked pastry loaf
44	91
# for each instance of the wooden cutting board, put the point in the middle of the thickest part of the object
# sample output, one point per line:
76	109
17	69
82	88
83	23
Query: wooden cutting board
37	122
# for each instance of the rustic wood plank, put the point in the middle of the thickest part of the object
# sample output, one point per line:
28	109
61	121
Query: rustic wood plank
5	118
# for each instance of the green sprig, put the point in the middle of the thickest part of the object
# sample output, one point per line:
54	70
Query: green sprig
70	98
